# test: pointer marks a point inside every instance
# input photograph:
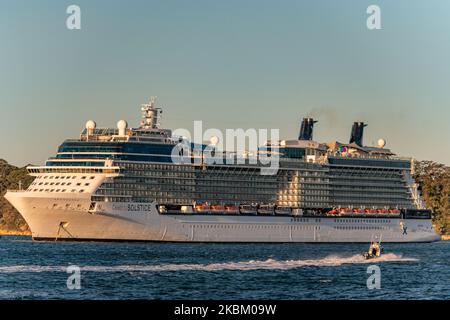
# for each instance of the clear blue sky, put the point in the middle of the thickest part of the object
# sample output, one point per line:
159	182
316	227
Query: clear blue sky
233	63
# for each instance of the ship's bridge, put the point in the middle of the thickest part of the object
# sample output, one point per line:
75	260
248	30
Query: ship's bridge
129	150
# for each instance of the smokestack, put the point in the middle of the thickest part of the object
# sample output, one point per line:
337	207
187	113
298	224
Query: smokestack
306	129
357	133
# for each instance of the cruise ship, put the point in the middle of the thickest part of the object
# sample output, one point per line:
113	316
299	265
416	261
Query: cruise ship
122	184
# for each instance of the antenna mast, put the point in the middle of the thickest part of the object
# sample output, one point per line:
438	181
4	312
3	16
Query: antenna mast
150	114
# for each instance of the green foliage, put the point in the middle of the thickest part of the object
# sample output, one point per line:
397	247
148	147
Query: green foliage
10	177
434	181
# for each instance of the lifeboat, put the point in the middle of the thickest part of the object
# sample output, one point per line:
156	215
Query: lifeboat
173	208
217	208
358	211
231	209
204	207
394	211
248	209
283	210
333	212
345	211
186	209
266	209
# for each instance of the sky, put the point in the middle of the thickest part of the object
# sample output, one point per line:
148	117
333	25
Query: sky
230	63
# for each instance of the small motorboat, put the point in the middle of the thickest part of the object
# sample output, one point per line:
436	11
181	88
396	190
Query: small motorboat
375	250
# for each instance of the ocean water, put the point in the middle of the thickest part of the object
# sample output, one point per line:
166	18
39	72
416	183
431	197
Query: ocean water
38	270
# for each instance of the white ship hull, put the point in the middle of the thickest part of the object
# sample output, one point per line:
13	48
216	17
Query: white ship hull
69	218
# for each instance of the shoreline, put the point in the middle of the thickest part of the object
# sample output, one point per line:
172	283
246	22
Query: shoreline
4	232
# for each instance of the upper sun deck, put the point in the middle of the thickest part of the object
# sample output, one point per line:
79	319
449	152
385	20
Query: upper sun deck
130	134
150	143
307	149
148	131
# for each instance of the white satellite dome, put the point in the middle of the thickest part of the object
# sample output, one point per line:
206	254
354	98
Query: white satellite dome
90	124
381	142
214	140
122	125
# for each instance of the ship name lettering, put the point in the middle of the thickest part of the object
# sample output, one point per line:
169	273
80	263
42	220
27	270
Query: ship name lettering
139	207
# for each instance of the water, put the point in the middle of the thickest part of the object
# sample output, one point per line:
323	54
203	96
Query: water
37	270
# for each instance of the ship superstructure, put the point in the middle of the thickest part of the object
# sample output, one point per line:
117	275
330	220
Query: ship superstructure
122	184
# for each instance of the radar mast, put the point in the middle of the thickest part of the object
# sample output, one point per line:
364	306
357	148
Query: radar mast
150	114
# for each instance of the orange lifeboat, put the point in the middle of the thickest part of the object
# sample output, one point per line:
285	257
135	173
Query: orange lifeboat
345	211
333	212
231	209
394	211
203	207
217	208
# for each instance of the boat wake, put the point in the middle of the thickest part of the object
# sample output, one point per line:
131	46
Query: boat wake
269	264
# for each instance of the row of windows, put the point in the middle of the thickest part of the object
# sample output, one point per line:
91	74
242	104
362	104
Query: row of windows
89	146
56	190
245	226
118	199
368	203
57	183
369	189
359	195
356	174
302	192
73	170
361	228
63	177
344	220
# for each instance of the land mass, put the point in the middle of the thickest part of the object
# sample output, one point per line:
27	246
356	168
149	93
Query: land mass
433	179
12	177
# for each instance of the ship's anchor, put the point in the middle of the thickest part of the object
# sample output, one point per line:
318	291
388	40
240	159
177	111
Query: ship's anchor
63	225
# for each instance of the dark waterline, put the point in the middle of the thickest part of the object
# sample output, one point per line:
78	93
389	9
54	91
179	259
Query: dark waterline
37	270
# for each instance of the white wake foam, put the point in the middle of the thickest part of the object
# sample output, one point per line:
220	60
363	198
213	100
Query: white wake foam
333	260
